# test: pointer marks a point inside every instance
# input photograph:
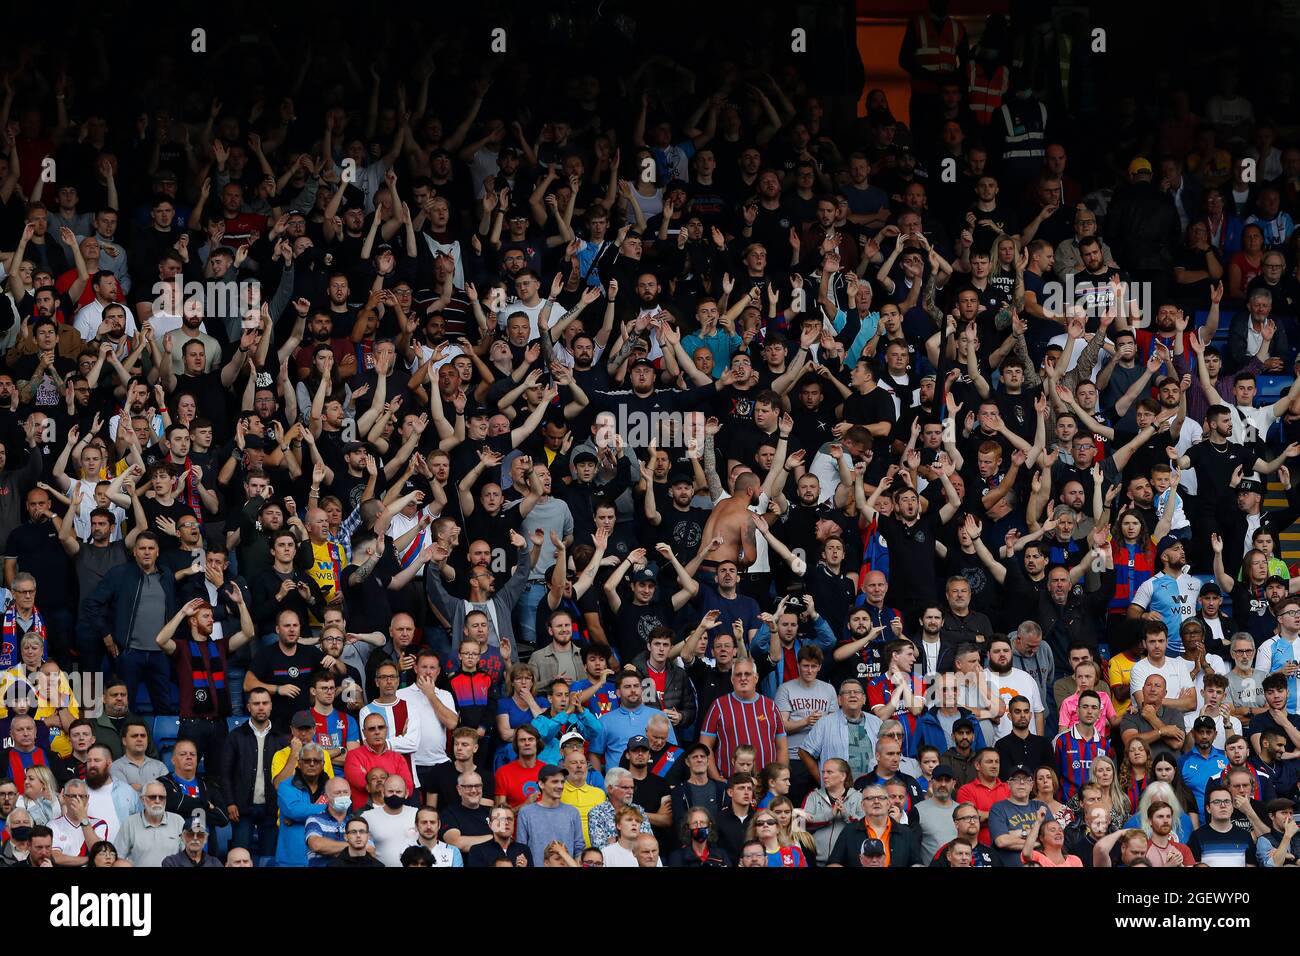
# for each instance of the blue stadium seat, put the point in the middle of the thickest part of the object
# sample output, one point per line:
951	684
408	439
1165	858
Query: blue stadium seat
165	732
143	705
232	723
1272	387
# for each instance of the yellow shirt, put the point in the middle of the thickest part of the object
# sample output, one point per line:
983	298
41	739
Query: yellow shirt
59	744
1121	666
583	798
281	757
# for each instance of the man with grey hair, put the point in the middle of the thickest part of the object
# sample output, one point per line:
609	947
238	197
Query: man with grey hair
619	788
150	836
1031	654
326	833
19	825
1246	335
849	733
75	832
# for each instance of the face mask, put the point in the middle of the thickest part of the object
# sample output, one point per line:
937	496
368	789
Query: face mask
341	804
21	834
394	802
700	834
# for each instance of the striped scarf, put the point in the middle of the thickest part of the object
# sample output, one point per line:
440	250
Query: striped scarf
9	636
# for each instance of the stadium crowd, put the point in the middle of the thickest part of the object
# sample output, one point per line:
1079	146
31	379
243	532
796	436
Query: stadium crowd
452	459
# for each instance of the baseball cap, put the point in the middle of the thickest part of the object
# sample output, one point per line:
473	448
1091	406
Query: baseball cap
871	847
1276	579
1209	587
649	573
1250	484
1204	723
350	447
302	721
1020	770
572	735
697	746
943	770
642	362
640	740
477	411
195	824
963	724
585	454
678	475
165	176
1139	165
1167	542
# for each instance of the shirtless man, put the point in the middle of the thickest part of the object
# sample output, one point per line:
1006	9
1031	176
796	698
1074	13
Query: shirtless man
731	522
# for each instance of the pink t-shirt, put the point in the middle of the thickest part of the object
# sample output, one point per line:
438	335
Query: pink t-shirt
1069	715
1070	861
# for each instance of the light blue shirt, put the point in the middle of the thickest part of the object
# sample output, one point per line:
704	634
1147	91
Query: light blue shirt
621	725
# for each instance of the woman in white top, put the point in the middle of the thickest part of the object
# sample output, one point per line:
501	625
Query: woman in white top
622	852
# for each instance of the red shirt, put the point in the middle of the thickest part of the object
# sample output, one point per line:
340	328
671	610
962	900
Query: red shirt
516	782
362	760
983	798
731	722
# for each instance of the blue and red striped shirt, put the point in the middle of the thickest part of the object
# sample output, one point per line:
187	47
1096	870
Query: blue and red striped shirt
1074	757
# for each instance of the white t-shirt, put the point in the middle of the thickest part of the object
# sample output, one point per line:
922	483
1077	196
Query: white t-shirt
1014	683
433	735
101	807
1175	670
90	315
70	839
532	311
391	833
1249	424
615	855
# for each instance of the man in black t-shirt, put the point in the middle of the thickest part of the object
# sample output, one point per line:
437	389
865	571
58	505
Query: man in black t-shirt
284	669
911	536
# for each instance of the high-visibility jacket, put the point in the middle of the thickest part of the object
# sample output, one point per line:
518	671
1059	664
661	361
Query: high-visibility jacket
936	45
984	92
1025	124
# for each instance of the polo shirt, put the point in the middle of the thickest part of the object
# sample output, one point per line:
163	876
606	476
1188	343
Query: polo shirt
1198	771
983	797
146	844
583	799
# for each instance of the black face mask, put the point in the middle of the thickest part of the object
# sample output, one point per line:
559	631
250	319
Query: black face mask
21	834
700	834
394	802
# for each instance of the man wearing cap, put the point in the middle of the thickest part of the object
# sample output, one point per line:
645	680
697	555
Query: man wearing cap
194	839
549	818
1219	627
1203	762
1279	846
1170	595
935	812
899	842
1011	818
1143	227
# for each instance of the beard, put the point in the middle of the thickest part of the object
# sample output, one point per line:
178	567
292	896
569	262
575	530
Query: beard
95	780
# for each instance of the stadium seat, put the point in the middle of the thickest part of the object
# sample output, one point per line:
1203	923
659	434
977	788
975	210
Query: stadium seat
233	723
165	732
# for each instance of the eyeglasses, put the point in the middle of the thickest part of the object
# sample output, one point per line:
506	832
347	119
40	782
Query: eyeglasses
1220	803
964	819
874	799
153	796
470	786
764	823
311	760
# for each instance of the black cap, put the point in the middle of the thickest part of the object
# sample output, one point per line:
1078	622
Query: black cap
943	770
681	474
640	740
1205	723
350	447
302	721
1250	484
698	745
871	847
642	362
649	573
963	724
1020	770
1276	579
478	411
1279	803
585	454
195	824
1210	587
